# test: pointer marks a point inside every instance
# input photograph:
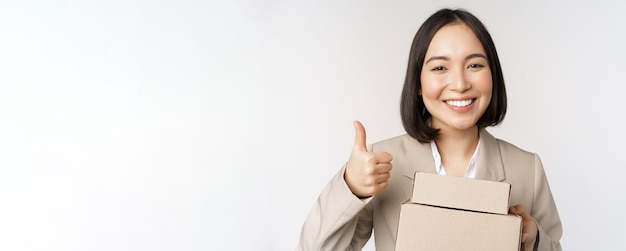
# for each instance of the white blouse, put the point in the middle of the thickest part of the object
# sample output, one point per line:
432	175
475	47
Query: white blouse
470	172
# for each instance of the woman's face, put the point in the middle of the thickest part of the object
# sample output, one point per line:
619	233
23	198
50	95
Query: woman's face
456	79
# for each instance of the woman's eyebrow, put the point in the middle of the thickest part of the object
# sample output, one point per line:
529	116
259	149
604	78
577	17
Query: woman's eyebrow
476	55
436	58
470	56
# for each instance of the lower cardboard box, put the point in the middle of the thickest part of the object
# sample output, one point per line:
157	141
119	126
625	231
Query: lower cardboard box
424	227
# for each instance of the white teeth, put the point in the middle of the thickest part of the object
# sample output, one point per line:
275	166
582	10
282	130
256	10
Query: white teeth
460	103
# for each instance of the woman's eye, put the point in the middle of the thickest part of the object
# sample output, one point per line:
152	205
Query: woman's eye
475	66
438	68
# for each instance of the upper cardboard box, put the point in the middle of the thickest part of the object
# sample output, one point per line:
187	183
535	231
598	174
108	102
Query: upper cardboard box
462	193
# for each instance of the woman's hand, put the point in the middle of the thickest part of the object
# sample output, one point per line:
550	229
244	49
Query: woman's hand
529	227
366	173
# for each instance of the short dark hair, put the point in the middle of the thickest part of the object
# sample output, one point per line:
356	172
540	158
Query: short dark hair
412	110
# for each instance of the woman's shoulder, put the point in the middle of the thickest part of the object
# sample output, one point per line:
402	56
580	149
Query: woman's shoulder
509	149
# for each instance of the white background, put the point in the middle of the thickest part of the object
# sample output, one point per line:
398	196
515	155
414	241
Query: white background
194	125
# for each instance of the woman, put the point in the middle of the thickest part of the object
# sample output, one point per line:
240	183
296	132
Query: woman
453	89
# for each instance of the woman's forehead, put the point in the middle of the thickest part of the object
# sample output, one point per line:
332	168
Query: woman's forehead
454	39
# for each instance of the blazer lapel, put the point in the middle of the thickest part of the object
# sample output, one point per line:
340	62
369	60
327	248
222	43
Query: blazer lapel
419	158
490	165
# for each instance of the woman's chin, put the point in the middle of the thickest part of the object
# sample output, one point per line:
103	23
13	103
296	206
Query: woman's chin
462	125
456	124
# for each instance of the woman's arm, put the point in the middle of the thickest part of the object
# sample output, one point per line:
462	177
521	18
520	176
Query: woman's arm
339	220
545	213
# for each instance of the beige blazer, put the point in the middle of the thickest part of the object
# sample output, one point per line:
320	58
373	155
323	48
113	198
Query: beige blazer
341	221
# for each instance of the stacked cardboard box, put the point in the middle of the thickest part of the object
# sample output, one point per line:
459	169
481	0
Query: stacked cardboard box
451	213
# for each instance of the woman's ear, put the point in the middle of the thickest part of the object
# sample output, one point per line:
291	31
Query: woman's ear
419	92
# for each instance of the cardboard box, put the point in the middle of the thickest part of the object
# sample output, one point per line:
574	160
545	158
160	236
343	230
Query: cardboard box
462	193
451	213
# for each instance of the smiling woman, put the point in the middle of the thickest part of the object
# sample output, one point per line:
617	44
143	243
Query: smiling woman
453	90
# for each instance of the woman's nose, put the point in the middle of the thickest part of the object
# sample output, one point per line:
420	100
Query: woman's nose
459	82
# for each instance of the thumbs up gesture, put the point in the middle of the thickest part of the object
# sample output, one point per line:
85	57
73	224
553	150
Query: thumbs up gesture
367	173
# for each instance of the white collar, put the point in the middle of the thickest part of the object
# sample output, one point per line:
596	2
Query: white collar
470	172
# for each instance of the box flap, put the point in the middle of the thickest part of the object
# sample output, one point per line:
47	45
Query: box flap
461	193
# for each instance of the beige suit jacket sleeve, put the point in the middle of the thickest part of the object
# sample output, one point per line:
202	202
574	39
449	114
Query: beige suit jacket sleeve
545	213
338	221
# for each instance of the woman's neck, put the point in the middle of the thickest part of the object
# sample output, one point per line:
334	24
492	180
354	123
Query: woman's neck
457	143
